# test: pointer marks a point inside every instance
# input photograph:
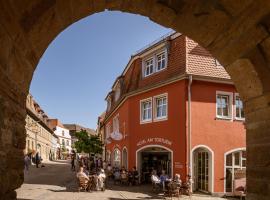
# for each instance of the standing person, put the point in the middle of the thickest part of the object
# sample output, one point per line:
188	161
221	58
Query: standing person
26	162
163	178
37	159
72	163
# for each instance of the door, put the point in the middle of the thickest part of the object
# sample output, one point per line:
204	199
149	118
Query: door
202	174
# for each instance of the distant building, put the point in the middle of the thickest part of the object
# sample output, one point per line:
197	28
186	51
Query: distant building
39	136
64	138
73	128
101	132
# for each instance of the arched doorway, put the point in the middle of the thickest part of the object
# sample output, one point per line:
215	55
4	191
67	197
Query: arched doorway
154	157
125	158
235	33
235	168
202	169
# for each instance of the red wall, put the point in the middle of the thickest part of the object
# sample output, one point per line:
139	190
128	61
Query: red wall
219	135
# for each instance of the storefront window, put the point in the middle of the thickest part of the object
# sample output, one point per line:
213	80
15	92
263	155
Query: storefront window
235	168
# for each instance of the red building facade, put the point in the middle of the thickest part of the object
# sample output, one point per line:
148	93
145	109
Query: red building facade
175	108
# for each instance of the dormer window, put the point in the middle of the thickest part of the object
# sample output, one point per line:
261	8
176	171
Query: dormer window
161	61
149	67
117	92
155	63
109	103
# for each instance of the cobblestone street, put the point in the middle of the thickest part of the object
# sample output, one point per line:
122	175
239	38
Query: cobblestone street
55	181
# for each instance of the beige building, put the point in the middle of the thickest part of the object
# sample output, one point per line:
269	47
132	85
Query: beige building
39	137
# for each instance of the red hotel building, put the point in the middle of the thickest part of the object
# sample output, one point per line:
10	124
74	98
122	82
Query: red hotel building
174	107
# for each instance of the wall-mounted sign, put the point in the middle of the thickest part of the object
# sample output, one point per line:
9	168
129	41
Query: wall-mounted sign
178	165
116	135
154	140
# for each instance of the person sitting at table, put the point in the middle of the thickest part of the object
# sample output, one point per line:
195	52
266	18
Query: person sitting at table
85	170
177	179
164	178
117	175
134	176
81	174
154	178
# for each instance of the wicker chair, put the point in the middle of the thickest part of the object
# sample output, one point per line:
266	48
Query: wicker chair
173	190
83	184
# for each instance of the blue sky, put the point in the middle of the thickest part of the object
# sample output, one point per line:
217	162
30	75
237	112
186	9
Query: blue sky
79	67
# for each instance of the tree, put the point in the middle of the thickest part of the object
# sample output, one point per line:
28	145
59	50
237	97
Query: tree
88	144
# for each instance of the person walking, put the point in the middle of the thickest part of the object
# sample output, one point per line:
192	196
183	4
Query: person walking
37	159
72	163
26	162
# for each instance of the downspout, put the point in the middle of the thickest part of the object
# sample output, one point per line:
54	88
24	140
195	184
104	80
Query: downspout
189	124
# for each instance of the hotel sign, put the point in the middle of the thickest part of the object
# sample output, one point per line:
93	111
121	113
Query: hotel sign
154	140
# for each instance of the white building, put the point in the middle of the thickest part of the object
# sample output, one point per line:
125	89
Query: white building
64	138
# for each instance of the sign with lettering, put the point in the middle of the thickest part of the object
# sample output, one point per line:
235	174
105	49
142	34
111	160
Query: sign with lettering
154	140
178	165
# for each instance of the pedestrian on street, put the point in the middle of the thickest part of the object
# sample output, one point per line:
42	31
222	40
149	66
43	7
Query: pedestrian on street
26	162
37	158
72	163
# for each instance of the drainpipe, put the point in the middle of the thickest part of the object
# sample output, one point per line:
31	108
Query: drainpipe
189	124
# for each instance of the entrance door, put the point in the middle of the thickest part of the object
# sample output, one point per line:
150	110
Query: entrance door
202	171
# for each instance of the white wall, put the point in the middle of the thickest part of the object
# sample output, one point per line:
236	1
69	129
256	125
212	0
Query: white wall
59	132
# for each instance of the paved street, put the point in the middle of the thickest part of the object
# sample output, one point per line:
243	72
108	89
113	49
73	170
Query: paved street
55	181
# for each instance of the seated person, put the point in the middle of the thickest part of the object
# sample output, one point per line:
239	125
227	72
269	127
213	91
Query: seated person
82	174
85	170
134	176
154	178
164	178
117	174
177	179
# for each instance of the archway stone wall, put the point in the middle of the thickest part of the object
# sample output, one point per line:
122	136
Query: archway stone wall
235	32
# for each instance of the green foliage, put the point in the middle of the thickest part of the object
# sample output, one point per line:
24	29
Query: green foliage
88	144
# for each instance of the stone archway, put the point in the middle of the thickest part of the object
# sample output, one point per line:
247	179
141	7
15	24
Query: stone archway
235	32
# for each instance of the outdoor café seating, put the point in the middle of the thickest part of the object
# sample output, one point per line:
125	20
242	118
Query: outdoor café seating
83	184
173	189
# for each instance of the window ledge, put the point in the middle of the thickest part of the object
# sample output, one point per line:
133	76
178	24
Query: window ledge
145	121
239	119
223	118
160	119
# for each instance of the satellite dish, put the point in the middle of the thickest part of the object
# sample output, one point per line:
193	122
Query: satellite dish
116	135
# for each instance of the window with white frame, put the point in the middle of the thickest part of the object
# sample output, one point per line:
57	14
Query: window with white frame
223	105
161	106
239	109
116	123
148	67
108	130
117	157
156	63
161	61
117	92
235	164
146	110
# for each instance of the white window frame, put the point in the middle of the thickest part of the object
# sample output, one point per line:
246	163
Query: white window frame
156	56
120	157
143	121
145	66
116	123
230	94
156	118
108	130
117	92
237	118
155	61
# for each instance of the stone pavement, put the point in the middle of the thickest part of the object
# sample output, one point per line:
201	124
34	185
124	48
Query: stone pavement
55	181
